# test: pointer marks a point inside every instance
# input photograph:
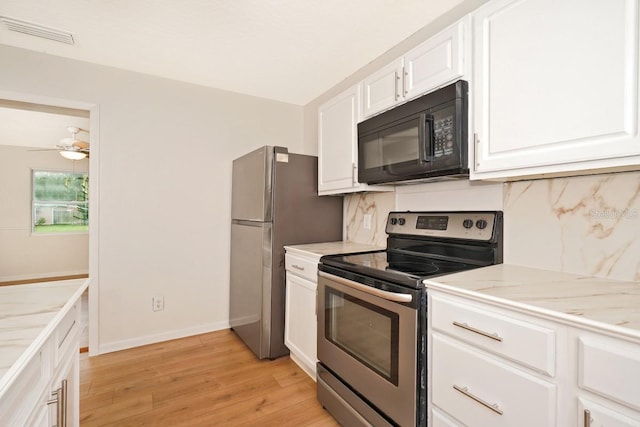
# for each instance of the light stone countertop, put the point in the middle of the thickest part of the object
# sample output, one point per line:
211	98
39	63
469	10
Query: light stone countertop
603	304
316	250
28	316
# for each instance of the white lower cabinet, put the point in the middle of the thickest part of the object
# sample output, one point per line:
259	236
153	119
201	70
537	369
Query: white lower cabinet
300	328
591	414
23	401
608	381
35	398
438	418
488	368
491	365
480	389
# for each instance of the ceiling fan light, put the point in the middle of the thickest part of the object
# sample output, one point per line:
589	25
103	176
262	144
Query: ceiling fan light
73	155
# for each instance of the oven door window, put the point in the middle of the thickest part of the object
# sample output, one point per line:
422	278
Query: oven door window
365	331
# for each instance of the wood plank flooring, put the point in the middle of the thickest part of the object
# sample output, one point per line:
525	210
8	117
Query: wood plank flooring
204	380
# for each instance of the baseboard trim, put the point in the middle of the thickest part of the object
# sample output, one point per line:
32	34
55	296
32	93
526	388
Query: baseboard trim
165	336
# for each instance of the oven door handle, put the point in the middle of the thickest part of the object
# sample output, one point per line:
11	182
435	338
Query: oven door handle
390	296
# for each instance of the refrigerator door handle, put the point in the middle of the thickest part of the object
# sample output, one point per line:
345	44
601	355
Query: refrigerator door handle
249	222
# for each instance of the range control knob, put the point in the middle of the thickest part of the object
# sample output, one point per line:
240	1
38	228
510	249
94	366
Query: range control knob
467	223
401	221
393	221
481	224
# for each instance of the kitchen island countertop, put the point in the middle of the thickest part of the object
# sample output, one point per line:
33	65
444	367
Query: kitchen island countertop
606	305
28	315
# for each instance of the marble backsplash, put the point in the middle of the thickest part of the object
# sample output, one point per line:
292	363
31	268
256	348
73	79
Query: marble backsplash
378	205
585	225
434	196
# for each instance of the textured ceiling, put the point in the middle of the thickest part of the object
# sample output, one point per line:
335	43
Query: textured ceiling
287	50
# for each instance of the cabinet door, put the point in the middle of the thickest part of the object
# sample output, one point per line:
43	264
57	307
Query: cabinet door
25	398
555	86
437	61
610	368
592	414
300	322
69	407
383	89
338	145
337	142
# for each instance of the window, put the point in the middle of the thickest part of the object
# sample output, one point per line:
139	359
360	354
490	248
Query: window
60	202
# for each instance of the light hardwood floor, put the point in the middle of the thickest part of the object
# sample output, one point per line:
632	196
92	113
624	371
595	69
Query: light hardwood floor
204	380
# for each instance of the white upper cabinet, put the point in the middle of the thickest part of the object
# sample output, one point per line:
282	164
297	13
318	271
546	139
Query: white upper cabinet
383	89
437	61
434	63
338	145
555	86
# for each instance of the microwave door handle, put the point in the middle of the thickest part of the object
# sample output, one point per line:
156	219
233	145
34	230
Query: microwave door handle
426	136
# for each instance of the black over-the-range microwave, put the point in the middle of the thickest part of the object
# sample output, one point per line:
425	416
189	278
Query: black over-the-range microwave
424	139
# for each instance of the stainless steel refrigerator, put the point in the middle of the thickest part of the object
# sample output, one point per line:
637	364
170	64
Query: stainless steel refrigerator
274	203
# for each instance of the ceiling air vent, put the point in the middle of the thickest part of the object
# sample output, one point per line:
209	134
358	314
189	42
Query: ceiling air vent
37	30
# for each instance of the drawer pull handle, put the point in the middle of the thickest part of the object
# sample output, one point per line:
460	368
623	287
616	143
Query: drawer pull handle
494	336
61	404
587	418
465	391
297	267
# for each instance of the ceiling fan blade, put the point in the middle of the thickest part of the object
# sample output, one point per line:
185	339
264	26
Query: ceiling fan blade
83	145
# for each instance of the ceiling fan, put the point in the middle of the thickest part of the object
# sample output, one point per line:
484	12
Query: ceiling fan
71	148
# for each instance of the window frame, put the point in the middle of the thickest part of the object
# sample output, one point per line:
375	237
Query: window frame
34	172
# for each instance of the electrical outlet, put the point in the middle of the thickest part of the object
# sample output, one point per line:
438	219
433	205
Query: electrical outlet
158	303
367	221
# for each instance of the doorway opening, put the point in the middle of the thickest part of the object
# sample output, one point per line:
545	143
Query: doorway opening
51	196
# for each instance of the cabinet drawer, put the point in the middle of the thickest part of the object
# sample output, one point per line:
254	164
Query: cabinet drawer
480	390
66	333
610	368
303	267
438	419
520	341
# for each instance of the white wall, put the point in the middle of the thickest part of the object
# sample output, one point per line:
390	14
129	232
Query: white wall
165	152
24	255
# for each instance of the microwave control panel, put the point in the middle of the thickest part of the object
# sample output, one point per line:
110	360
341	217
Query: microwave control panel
443	136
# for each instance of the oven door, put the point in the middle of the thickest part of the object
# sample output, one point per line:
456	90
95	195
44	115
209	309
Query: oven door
368	338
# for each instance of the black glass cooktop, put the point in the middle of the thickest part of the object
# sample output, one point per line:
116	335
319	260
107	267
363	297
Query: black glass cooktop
396	267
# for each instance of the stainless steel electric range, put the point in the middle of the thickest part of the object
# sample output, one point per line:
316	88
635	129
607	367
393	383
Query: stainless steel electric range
372	313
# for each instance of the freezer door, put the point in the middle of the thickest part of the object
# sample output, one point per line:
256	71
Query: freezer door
251	186
250	289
